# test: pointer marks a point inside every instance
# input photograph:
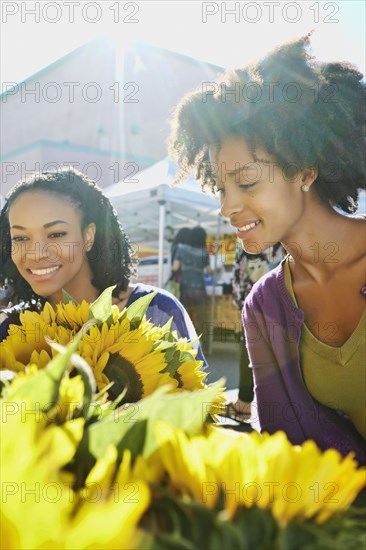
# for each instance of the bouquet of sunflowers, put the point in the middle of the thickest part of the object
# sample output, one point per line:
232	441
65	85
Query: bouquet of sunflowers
109	441
124	350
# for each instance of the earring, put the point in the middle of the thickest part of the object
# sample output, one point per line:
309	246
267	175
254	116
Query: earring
305	187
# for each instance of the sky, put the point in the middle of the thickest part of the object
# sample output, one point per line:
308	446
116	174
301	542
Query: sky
230	34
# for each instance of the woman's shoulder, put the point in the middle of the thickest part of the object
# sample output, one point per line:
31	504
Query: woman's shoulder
163	307
162	298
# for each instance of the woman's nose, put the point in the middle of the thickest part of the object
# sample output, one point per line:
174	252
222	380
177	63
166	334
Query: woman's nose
36	250
231	203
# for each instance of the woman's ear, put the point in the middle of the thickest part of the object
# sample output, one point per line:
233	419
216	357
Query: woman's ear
89	236
309	175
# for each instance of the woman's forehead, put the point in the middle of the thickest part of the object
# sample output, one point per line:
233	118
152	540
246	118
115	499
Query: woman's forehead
39	204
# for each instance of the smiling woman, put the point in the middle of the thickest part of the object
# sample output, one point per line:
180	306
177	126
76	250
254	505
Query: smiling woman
59	232
49	246
271	199
300	124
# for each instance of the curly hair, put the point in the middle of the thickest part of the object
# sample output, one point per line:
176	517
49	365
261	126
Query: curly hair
301	112
111	257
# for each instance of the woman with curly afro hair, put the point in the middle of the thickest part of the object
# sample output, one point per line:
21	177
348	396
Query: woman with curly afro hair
282	143
58	231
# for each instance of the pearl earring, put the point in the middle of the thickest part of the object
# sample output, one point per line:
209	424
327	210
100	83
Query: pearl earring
305	187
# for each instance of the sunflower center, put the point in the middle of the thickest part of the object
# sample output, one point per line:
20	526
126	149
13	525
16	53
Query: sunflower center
124	375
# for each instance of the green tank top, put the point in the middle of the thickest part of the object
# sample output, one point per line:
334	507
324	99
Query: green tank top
335	376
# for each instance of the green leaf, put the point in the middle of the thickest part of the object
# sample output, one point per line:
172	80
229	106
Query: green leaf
228	537
43	388
135	312
172	362
257	529
178	522
133	440
186	410
101	309
164	345
111	430
340	531
66	298
175	358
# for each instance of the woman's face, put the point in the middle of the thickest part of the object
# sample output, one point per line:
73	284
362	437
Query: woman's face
263	201
48	245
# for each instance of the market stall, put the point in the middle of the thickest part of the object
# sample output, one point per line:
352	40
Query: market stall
150	208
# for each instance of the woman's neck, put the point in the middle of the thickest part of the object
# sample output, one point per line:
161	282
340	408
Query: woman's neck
323	242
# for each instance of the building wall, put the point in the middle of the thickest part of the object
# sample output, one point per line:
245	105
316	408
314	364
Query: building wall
89	109
156	79
68	105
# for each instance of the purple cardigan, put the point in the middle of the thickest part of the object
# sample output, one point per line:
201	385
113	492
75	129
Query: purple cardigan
272	325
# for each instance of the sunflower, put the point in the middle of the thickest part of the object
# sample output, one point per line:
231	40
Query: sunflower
246	470
32	455
37	493
124	348
187	462
72	315
127	358
190	376
31	336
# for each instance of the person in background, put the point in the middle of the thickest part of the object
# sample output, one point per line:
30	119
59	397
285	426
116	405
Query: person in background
182	237
247	270
191	261
173	283
282	158
58	231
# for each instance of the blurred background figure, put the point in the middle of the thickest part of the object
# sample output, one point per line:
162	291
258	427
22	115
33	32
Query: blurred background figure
182	237
5	293
190	261
173	283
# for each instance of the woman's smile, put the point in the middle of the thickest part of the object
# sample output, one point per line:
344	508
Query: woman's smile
43	273
243	231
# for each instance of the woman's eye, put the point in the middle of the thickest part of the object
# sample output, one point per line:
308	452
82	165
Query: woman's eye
57	234
247	186
19	238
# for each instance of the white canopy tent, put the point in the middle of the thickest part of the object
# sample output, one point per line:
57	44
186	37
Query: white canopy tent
149	207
